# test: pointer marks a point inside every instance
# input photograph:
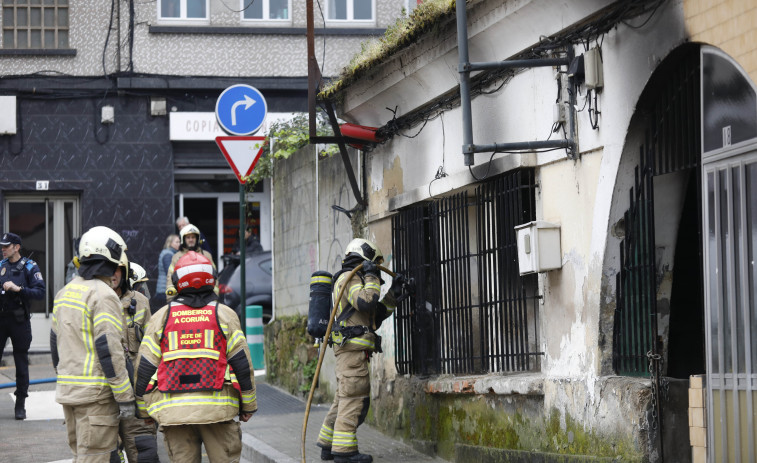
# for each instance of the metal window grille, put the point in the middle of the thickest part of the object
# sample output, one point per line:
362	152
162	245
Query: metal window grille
30	24
472	312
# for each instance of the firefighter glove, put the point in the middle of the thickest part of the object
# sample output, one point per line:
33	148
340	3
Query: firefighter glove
396	288
371	268
126	410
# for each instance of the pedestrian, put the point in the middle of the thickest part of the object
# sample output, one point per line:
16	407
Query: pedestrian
85	342
164	261
182	222
190	241
20	281
251	242
138	436
354	340
205	376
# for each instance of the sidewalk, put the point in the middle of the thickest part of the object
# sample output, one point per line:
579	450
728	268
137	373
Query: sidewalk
274	434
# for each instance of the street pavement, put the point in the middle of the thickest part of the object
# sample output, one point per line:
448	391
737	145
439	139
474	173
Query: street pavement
273	435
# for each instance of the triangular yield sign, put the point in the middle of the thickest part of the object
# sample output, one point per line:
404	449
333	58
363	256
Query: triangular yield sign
242	153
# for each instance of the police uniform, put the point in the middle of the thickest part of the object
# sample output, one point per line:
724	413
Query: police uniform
14	314
194	370
358	313
139	438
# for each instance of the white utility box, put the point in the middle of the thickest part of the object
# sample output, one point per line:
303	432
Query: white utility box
7	115
538	247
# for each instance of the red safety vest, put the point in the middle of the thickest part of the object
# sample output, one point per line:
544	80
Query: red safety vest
194	350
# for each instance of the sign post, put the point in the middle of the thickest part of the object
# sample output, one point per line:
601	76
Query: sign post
242	153
241	110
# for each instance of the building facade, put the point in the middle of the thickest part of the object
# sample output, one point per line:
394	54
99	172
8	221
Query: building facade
107	115
628	131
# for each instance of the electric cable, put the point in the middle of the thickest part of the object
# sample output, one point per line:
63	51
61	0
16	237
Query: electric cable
237	11
107	36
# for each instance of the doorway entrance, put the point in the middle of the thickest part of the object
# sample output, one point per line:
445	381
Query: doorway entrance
47	225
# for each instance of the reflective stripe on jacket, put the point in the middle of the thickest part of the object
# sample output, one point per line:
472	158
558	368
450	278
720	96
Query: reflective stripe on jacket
200	407
87	316
193	350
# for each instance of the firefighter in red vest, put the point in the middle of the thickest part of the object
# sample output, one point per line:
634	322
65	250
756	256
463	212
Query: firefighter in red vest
205	376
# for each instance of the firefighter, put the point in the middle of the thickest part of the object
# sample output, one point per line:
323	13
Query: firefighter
139	280
20	281
190	241
354	339
85	342
138	436
205	376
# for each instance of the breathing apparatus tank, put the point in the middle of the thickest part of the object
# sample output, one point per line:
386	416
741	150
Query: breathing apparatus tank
319	310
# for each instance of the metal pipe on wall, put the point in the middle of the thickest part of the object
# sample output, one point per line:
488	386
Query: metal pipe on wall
465	102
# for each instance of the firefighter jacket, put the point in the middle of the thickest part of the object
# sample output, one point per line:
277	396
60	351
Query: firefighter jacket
85	342
359	310
179	254
180	347
136	316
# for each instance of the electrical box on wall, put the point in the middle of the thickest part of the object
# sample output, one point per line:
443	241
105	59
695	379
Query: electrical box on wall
538	247
593	74
7	115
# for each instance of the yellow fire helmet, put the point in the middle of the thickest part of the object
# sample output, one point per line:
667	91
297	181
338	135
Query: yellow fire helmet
138	275
365	249
102	242
189	230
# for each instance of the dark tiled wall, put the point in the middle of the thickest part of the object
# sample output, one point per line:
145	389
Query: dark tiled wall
122	173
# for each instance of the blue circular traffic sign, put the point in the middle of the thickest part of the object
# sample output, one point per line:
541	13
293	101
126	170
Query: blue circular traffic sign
241	110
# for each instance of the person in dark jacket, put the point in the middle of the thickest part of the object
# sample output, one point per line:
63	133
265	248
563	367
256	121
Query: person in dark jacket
20	281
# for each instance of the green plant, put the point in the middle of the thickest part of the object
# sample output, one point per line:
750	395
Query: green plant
287	137
308	373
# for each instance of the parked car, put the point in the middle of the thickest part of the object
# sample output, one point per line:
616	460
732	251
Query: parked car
258	273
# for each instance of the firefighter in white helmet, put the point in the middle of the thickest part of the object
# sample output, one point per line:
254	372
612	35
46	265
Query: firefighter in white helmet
139	279
205	376
85	342
190	241
354	339
138	436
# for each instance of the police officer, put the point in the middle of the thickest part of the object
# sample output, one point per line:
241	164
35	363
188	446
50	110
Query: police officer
138	436
354	339
85	342
20	280
205	376
191	240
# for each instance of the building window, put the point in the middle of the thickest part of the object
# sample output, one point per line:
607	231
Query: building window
350	10
34	24
183	9
472	312
266	10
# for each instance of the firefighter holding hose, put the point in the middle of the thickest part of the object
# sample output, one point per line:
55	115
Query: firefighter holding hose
354	340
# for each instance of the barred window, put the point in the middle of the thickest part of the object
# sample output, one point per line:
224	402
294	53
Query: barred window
35	24
472	312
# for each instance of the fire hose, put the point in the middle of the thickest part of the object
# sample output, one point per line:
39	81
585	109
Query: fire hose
323	351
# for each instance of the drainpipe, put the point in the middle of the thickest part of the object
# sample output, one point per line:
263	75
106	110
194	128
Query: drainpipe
465	104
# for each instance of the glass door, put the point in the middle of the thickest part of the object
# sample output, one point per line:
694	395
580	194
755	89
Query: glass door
47	226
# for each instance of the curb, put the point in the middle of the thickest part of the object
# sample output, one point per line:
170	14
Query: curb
257	451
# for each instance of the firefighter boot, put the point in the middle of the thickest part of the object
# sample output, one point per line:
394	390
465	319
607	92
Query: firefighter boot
20	408
326	453
352	458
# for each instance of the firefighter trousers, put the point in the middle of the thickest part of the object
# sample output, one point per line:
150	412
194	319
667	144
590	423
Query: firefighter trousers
139	440
92	431
223	442
350	406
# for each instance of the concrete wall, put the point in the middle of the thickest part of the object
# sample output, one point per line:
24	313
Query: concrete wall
308	234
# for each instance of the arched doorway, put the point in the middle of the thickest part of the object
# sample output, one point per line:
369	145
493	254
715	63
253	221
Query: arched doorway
658	321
